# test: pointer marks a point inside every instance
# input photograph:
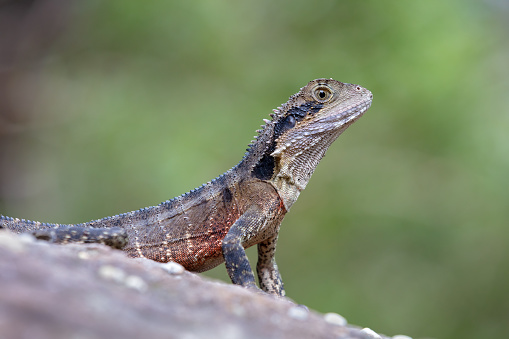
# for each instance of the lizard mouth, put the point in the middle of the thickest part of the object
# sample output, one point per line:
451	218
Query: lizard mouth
345	118
328	127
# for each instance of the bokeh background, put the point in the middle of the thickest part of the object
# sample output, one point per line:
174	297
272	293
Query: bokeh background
106	107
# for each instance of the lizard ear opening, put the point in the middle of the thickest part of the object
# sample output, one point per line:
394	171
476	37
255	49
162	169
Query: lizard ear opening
290	122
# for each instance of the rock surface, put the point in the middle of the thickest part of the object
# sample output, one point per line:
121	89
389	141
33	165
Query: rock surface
92	291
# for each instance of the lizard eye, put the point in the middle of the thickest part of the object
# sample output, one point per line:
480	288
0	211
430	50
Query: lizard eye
322	94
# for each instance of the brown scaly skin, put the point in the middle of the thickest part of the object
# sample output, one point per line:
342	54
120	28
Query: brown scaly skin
243	207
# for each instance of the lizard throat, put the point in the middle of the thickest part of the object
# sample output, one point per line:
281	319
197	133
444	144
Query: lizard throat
298	154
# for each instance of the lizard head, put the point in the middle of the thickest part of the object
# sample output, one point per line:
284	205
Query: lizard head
302	130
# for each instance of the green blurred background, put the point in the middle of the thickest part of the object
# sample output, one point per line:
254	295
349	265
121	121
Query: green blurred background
107	107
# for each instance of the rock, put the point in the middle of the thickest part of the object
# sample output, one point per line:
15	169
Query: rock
92	291
334	318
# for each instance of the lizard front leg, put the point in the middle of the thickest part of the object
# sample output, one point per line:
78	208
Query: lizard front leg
236	261
268	273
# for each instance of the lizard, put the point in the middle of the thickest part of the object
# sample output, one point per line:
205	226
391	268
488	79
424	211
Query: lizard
245	206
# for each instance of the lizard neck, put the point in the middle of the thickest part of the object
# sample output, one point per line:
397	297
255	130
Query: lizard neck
261	162
258	162
288	169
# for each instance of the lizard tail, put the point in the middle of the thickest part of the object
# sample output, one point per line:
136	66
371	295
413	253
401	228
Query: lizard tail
115	237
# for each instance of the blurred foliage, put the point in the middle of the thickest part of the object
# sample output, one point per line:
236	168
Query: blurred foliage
403	227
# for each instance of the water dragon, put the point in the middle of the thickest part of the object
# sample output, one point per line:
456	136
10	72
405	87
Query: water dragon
242	207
